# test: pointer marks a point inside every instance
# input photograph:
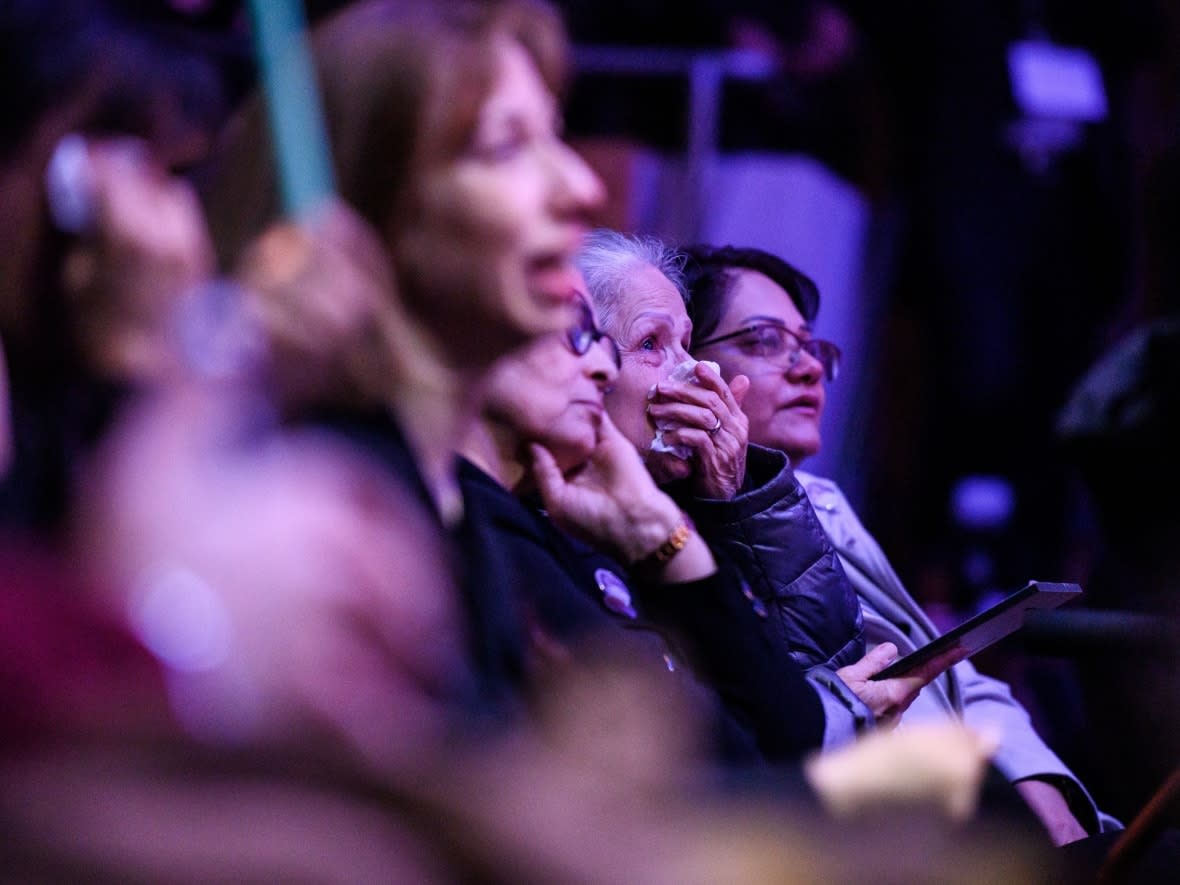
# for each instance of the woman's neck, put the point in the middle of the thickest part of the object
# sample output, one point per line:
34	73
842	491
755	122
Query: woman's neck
436	404
495	449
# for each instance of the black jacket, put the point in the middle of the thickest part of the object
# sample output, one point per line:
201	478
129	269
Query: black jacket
771	533
563	585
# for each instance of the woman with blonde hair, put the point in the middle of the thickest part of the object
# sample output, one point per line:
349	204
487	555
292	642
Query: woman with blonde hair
464	212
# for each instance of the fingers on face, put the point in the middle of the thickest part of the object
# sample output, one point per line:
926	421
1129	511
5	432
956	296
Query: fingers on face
687	392
685	415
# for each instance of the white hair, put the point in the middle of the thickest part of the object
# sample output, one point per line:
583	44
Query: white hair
607	260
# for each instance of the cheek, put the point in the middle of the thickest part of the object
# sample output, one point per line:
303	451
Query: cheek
765	390
627	405
572	436
460	235
477	208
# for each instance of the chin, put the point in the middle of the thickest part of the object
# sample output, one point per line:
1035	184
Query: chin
798	440
571	454
799	450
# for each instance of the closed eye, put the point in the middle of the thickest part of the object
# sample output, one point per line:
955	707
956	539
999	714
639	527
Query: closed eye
503	149
501	142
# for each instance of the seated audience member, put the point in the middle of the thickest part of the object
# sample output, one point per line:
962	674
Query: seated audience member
544	422
94	113
751	312
544	428
303	628
689	428
442	120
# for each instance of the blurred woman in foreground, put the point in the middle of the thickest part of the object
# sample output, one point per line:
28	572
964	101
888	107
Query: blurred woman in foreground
443	122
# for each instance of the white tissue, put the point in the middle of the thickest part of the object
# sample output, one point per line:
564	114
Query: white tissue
683	372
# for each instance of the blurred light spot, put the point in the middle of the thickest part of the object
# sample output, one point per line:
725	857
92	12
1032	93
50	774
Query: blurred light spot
182	621
983	502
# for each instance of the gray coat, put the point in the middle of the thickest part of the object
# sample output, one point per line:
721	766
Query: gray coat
892	615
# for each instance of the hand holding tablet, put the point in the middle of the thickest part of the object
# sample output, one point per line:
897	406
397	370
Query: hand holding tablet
987	627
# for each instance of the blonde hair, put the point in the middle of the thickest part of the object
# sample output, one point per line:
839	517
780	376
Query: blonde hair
402	83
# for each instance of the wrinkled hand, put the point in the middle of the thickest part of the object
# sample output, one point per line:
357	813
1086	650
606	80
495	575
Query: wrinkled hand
612	500
941	763
889	698
707	417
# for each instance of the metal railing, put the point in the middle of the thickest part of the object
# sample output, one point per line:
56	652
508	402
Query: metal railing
706	73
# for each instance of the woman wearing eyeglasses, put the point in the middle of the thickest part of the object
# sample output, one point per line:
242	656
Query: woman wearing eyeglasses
752	314
688	425
744	320
639	569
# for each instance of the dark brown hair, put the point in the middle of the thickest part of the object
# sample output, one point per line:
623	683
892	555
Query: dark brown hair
710	272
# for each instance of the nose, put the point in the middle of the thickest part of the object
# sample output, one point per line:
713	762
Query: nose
679	355
579	190
807	369
599	364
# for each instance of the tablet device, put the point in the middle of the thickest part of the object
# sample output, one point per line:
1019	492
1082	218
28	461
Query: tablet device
992	625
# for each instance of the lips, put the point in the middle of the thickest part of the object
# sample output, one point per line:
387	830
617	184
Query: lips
552	273
592	404
806	402
554	281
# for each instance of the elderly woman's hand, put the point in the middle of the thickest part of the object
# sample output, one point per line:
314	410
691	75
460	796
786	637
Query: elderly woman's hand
706	416
613	501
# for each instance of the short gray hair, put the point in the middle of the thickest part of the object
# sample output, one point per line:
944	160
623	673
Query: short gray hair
607	260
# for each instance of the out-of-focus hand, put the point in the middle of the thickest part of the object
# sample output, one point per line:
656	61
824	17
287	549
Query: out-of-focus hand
889	698
706	416
1050	806
320	293
939	763
147	245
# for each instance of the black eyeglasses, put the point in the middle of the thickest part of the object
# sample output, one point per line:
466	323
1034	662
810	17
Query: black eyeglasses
781	347
583	334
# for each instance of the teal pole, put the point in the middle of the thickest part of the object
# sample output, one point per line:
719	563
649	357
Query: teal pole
301	146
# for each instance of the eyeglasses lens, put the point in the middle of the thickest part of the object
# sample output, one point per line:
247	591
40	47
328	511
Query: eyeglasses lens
777	343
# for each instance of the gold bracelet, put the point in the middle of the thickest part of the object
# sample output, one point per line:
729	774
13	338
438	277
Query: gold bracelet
675	542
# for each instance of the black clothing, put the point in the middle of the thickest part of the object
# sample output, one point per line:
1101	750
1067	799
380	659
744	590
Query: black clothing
771	533
562	584
496	638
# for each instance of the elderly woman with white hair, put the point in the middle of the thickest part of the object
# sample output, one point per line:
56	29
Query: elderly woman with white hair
688	425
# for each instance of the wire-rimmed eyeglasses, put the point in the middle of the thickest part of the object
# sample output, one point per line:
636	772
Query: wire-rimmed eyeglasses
781	347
